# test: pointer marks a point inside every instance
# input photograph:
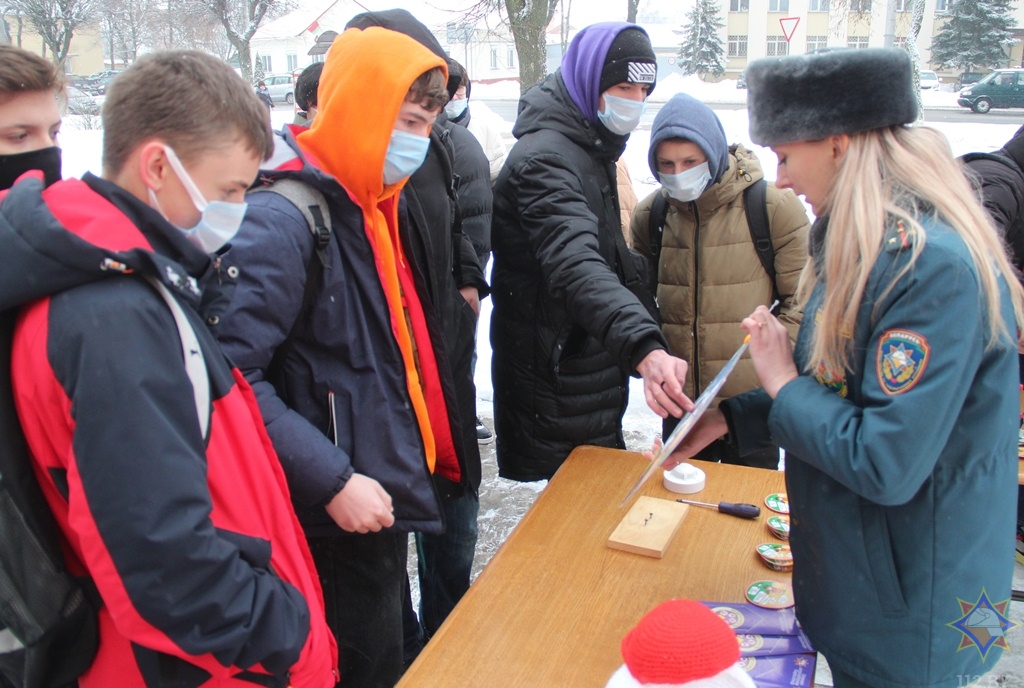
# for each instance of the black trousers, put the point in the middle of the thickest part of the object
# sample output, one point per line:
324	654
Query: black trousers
363	578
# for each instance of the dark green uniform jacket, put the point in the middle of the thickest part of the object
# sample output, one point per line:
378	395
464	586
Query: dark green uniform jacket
902	472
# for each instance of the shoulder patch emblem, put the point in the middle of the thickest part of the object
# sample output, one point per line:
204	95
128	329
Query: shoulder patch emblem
902	357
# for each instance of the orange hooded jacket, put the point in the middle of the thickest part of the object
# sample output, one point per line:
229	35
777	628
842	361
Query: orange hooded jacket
365	80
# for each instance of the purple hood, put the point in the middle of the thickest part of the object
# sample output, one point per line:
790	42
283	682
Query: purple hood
584	60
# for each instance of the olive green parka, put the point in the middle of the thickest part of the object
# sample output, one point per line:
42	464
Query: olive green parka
709	274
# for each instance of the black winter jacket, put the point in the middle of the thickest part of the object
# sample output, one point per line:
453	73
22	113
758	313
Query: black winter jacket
1000	179
565	332
475	195
343	347
445	261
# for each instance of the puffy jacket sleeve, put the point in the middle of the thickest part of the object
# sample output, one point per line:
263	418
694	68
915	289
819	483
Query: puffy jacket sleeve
138	501
1002	192
562	232
475	196
789	226
271	251
886	445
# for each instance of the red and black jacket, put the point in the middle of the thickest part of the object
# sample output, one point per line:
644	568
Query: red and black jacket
201	565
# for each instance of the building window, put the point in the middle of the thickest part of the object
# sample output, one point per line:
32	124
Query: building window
737	46
265	59
293	62
817	6
860	6
739	5
816	42
857	42
494	57
899	42
777	45
511	57
904	5
778	5
940	6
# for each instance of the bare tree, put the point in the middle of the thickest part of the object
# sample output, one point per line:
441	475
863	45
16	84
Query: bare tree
56	22
124	27
632	6
528	21
179	24
566	6
240	19
916	19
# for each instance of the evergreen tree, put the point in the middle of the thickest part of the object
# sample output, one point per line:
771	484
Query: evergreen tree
974	34
701	51
257	71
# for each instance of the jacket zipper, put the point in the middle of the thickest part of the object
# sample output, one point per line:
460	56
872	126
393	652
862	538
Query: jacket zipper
695	363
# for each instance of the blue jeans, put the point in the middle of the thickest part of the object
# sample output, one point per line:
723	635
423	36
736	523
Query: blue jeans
363	579
445	566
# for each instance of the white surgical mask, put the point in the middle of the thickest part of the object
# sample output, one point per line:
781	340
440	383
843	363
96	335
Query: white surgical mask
455	108
689	185
621	115
406	152
220	220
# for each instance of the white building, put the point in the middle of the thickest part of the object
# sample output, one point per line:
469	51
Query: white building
759	28
289	43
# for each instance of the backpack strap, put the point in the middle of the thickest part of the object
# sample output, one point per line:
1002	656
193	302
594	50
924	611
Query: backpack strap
313	206
755	200
195	362
656	230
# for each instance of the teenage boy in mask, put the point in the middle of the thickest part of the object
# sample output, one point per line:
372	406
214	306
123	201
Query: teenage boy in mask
709	274
29	116
565	330
175	507
445	255
353	401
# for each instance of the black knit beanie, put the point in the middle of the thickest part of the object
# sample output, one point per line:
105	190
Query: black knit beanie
630	59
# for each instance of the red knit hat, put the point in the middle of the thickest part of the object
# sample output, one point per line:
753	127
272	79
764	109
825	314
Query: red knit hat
680	642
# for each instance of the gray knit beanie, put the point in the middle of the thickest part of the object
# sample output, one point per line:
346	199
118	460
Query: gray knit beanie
812	97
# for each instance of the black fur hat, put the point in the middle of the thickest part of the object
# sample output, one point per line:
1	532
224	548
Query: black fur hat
811	97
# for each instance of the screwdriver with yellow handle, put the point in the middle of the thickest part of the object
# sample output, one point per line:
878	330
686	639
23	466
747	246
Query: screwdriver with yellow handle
741	510
688	421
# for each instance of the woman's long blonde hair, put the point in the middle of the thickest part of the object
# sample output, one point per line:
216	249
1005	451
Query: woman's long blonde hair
893	173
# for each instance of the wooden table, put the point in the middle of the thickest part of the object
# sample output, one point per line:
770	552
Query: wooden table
552	606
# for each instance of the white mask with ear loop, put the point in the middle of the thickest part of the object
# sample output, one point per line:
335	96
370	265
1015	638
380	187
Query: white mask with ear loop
621	115
220	220
689	185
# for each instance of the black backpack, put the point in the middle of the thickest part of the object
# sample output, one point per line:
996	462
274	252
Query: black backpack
48	618
755	198
49	630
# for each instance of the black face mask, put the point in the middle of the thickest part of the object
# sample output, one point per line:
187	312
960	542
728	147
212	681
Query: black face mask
45	159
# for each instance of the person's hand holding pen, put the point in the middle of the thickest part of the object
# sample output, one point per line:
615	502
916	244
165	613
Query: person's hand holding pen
770	350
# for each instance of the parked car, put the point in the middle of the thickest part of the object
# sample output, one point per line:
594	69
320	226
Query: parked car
929	80
96	83
281	87
968	78
81	103
1003	88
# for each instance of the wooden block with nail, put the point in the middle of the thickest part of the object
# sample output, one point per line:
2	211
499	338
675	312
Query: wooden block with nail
648	527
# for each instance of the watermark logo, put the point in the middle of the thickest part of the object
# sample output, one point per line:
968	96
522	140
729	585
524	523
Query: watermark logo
984	624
